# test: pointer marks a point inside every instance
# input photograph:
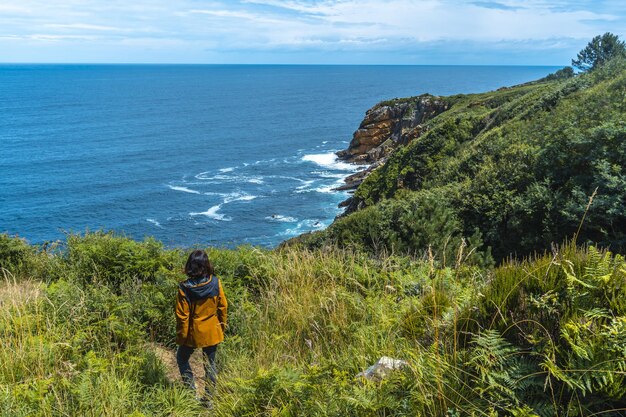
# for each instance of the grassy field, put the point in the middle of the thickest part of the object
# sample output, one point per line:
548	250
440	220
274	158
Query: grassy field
87	329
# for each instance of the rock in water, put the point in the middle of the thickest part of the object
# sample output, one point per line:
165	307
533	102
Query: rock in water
381	369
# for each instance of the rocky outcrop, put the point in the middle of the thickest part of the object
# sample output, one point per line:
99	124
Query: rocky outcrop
385	127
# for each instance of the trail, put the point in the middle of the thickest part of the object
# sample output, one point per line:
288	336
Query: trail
168	358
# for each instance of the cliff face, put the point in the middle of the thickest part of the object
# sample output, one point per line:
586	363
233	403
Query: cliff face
386	126
389	124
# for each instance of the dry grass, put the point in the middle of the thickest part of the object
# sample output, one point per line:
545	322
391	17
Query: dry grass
17	293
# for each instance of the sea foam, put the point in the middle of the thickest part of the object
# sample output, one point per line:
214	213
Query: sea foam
237	196
329	161
304	226
281	218
155	222
212	213
183	189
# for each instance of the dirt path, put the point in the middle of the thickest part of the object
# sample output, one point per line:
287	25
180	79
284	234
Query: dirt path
168	357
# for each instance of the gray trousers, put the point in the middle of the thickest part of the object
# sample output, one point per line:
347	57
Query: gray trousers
182	359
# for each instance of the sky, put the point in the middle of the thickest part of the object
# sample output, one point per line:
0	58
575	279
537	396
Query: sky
421	32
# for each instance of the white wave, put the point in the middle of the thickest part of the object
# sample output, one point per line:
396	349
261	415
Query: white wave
326	189
326	174
281	218
329	161
302	227
203	176
213	214
245	198
305	187
154	222
237	196
183	189
229	169
262	161
283	177
314	223
219	178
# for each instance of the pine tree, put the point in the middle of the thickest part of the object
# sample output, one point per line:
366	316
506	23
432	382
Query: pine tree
600	50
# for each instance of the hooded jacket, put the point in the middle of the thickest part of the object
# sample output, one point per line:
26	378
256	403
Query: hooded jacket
201	310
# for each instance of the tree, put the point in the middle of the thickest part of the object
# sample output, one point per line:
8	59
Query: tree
562	74
600	50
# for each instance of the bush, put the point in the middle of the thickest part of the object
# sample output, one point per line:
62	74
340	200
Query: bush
562	74
15	254
106	258
418	224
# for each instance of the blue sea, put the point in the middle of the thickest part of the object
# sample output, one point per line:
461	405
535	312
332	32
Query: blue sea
194	154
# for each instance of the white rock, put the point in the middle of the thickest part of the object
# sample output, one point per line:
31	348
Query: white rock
382	368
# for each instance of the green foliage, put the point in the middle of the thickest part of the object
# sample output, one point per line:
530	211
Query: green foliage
517	165
564	314
104	258
563	73
493	361
540	337
15	253
599	51
416	224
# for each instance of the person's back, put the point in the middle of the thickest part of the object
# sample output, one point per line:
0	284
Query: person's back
201	312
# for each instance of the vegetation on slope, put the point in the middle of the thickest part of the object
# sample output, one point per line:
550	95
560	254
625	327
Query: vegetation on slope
546	336
514	168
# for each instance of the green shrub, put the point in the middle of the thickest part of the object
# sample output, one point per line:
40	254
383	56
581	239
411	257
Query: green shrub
15	254
106	258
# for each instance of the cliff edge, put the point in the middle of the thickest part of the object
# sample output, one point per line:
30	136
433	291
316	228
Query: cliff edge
385	127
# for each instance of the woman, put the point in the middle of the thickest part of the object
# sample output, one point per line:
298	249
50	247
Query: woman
200	317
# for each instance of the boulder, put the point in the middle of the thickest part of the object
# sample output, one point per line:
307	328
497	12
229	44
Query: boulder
381	369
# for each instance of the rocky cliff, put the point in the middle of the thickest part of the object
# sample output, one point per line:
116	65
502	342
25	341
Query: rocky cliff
386	126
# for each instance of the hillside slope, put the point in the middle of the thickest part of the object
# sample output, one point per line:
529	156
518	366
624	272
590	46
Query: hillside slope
514	168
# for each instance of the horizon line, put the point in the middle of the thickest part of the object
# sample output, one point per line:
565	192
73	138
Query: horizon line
275	64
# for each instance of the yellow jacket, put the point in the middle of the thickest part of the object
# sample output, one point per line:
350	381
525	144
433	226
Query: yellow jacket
201	310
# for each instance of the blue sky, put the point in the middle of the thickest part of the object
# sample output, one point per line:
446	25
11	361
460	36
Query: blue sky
528	32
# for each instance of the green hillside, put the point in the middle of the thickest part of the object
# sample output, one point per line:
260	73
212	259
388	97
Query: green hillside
513	168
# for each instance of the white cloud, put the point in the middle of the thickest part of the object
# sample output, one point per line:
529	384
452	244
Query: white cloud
431	20
46	37
365	26
85	26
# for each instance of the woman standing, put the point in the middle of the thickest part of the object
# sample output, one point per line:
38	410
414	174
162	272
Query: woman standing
201	310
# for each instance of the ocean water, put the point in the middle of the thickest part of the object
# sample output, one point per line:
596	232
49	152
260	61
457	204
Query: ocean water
219	155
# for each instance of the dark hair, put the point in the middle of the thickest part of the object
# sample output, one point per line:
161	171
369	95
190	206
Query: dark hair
198	265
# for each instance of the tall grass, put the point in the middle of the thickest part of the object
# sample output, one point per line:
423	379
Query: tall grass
545	336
